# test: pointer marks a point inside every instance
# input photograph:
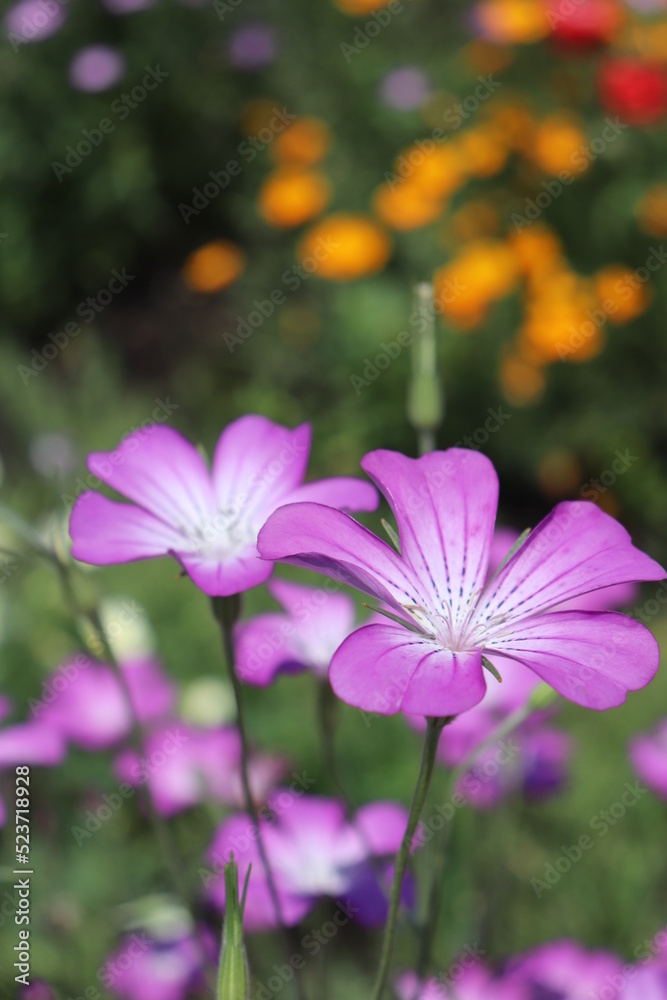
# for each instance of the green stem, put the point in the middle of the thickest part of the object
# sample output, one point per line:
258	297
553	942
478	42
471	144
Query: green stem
429	926
226	611
433	729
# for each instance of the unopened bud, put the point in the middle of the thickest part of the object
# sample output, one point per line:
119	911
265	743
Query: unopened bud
234	975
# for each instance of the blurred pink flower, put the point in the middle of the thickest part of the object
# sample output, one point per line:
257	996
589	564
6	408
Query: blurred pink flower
183	765
96	68
34	20
313	852
648	754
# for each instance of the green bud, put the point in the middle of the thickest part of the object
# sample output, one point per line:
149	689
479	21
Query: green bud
234	975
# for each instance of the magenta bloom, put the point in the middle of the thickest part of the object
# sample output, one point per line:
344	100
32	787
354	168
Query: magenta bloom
84	702
207	520
648	754
430	662
30	743
306	637
144	969
183	765
532	761
466	979
566	971
34	20
96	68
314	852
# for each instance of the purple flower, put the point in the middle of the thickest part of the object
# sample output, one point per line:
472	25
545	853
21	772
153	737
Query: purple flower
27	743
466	979
252	46
96	68
531	761
83	701
185	765
144	969
207	520
646	982
429	662
648	754
313	852
565	971
405	88
34	20
304	638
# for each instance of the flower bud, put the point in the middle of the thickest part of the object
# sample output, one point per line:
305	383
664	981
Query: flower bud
234	975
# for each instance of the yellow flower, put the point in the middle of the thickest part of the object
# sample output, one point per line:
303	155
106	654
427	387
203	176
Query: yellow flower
344	247
512	21
556	141
405	205
622	295
213	266
483	272
520	381
358	7
305	142
291	197
651	211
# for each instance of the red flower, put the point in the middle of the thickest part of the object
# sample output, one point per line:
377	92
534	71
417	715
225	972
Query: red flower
587	24
633	90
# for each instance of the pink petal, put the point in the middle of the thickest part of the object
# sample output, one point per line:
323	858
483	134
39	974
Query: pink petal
30	743
257	463
591	658
263	647
105	532
575	549
160	471
648	755
321	618
382	825
343	492
85	704
387	669
220	577
445	507
330	542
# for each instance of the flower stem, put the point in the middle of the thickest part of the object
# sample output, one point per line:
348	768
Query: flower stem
433	729
226	611
429	926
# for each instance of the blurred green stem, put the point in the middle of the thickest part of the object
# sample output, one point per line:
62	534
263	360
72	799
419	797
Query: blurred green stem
425	406
226	611
434	728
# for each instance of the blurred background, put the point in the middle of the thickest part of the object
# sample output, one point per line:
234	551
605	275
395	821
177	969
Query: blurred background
209	209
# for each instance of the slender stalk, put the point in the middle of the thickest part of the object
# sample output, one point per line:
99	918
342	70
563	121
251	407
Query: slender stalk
431	738
429	926
226	612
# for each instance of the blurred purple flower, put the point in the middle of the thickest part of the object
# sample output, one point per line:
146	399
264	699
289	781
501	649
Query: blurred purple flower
466	979
648	754
405	88
96	68
34	20
38	989
208	520
27	743
84	702
252	46
183	765
447	618
314	852
563	970
304	638
52	454
145	969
